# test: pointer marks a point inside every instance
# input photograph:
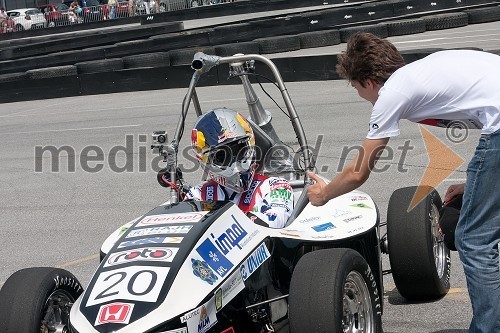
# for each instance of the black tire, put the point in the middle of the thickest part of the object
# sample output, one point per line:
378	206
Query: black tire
420	262
98	66
278	44
45	73
483	15
319	38
379	30
445	21
318	290
157	59
405	27
227	50
24	296
19	27
12	77
185	56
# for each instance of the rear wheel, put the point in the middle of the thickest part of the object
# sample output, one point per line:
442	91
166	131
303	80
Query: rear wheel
19	27
38	299
334	291
420	261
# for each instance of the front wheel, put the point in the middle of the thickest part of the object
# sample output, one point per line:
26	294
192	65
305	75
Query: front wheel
334	291
19	27
420	261
38	299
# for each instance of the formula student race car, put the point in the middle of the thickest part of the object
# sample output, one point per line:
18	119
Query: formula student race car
202	266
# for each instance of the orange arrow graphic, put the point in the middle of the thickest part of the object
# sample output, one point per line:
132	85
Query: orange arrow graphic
442	162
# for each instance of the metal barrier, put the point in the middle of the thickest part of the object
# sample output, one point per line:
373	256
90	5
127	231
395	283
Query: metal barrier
68	13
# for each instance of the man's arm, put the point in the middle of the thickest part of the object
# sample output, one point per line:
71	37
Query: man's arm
352	177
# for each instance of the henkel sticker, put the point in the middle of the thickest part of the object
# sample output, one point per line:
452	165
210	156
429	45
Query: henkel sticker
151	240
134	283
114	313
172	229
190	217
254	261
201	319
165	254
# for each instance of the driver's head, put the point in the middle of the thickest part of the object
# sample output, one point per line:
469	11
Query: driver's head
224	143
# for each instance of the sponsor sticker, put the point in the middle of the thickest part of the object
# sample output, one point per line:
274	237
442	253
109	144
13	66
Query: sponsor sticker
308	220
229	289
134	283
361	205
165	254
203	271
151	240
337	212
172	229
179	330
190	217
358	198
114	313
201	319
323	227
350	219
254	261
214	258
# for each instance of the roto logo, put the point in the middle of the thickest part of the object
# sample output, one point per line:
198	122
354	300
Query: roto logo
142	254
171	218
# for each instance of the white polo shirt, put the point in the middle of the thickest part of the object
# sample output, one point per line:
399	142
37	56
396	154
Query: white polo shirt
454	85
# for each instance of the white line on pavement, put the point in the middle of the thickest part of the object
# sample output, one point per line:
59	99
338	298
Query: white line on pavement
75	129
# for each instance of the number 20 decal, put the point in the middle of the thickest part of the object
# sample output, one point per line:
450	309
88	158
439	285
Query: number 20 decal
128	283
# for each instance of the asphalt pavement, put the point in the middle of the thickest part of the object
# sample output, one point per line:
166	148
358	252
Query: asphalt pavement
60	218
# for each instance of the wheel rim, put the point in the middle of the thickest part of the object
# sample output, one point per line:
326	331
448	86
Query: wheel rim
194	4
55	318
357	313
438	247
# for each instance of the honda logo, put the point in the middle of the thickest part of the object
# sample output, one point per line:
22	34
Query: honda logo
115	313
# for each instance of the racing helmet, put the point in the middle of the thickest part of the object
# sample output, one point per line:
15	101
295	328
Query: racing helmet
224	143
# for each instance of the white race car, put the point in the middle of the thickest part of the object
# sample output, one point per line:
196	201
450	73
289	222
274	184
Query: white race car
200	266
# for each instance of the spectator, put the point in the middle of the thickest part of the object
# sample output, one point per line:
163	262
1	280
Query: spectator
3	14
112	8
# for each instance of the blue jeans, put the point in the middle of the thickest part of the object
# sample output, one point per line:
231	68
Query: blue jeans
478	234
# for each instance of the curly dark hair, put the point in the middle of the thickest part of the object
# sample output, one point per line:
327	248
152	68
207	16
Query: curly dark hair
368	57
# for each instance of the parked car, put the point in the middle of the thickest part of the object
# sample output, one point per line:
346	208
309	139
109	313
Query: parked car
55	15
27	18
7	25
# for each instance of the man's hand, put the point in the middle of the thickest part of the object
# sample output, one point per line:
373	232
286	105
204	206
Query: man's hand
452	191
315	192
